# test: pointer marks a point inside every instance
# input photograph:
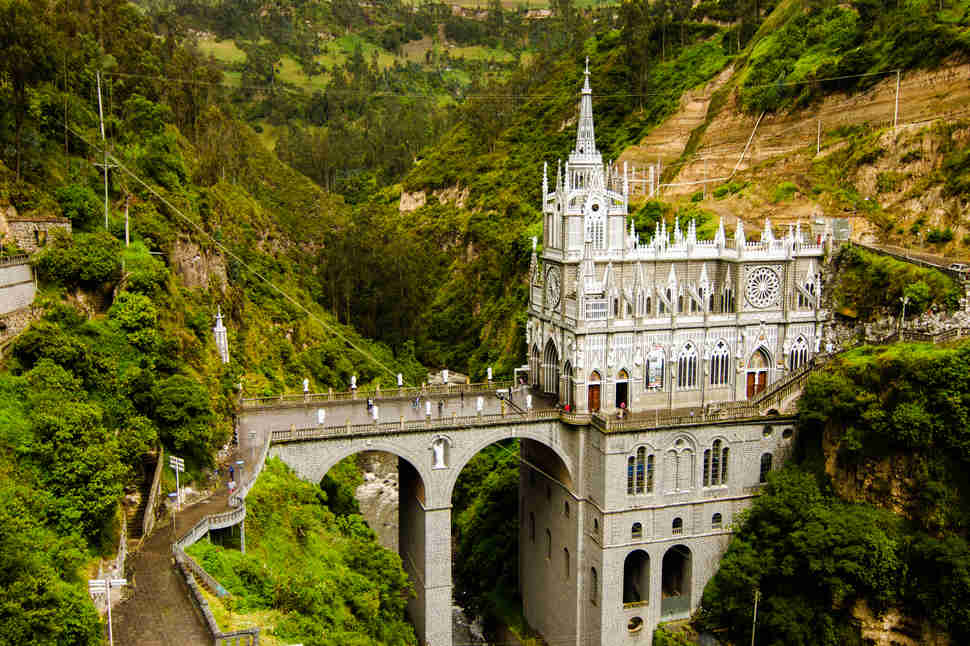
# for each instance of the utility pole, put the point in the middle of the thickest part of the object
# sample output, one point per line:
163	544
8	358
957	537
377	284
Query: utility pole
818	138
754	621
104	166
127	239
896	110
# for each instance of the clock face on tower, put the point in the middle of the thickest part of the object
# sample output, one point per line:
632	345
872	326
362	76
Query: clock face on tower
552	287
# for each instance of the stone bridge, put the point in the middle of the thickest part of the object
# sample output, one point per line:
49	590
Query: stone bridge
565	487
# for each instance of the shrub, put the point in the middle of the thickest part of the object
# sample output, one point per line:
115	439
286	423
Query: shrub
784	192
84	260
80	204
184	416
939	236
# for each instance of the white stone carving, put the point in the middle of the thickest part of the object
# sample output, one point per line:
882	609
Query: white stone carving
762	287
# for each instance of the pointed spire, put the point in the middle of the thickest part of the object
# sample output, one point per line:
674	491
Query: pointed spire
671	277
692	232
626	182
798	232
719	238
739	239
767	235
678	236
585	133
633	234
559	186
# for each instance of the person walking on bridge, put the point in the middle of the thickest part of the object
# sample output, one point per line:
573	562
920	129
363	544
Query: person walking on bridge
441	407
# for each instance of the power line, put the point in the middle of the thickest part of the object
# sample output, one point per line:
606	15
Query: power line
480	96
235	257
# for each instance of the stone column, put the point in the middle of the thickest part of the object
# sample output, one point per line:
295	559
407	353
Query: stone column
425	546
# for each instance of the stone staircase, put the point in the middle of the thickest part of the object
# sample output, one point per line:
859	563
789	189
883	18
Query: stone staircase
135	514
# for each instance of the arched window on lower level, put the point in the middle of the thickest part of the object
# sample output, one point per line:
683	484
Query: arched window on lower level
677	527
716	521
765	467
594	586
636	533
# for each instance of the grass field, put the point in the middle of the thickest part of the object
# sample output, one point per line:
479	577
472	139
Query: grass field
415	51
223	50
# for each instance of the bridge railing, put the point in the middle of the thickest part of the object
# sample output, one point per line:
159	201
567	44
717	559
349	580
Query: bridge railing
436	390
380	428
662	420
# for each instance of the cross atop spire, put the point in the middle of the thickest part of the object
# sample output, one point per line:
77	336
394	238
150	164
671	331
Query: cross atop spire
585	134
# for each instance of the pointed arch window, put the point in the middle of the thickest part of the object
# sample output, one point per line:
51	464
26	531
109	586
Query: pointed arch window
596	231
806	300
640	472
715	464
799	354
687	368
550	376
720	363
727	300
654	373
765	467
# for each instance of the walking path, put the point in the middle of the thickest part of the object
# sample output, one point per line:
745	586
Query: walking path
159	610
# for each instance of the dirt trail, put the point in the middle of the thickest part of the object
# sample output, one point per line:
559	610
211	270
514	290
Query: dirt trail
158	610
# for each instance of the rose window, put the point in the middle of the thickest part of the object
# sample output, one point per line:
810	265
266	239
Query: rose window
762	287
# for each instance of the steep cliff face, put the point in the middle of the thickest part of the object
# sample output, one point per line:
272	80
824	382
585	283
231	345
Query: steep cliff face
378	495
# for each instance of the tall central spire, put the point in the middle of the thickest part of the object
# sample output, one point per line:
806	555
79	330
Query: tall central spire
585	135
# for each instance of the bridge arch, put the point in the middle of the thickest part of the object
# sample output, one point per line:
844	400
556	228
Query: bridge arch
313	460
515	433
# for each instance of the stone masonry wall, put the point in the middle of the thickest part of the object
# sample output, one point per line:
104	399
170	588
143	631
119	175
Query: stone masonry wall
31	234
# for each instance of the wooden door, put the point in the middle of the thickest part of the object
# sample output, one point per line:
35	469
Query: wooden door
594	397
757	381
761	381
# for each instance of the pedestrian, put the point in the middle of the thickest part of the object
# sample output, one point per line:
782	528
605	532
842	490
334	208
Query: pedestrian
462	396
441	407
370	404
232	473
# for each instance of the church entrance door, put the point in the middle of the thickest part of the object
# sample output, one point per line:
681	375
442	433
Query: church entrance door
757	373
594	392
622	389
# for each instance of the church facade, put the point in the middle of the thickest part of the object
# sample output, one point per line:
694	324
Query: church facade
665	322
669	321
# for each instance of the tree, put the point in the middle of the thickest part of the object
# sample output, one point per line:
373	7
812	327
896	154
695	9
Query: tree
184	416
27	44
